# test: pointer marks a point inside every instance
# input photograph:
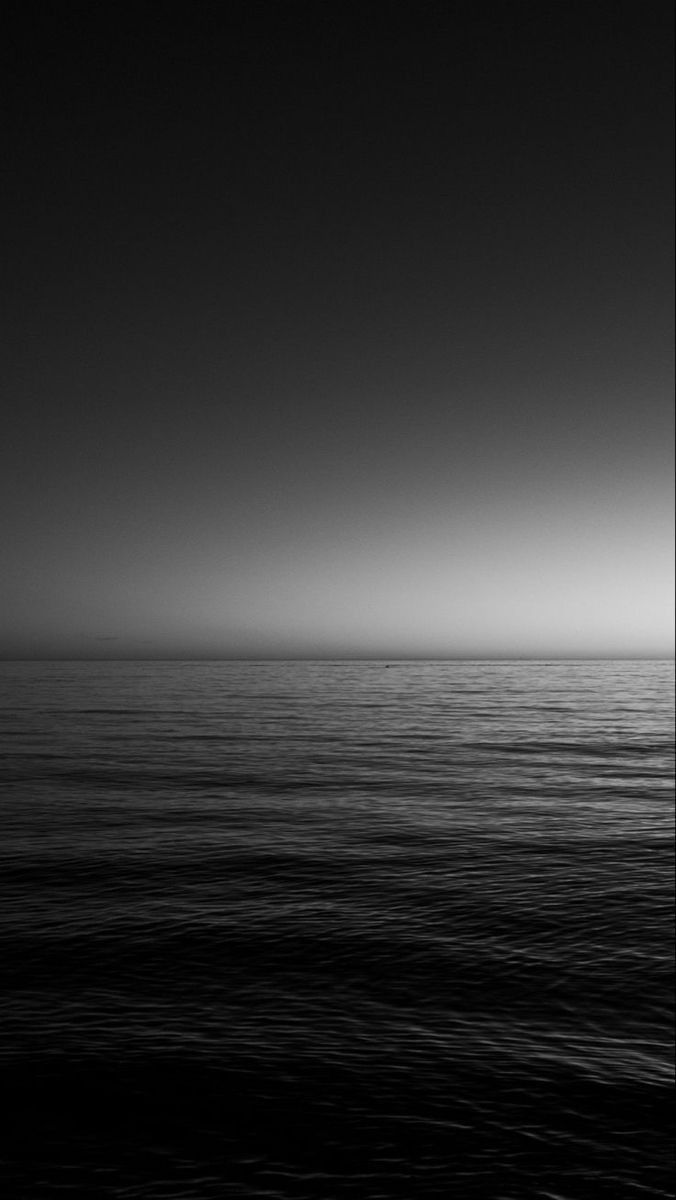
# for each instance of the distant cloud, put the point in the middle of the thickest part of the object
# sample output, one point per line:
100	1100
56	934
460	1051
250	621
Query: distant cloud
105	637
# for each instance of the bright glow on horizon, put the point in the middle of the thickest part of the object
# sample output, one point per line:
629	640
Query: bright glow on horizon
568	580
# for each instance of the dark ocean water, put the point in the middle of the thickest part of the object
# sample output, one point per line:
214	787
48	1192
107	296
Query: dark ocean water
330	930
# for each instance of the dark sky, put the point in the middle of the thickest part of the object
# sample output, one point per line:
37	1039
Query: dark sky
338	333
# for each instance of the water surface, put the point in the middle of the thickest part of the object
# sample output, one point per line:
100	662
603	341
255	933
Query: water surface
334	930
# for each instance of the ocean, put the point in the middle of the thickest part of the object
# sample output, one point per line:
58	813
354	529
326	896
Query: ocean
337	929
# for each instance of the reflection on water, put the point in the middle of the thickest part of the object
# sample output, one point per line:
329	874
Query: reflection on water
335	930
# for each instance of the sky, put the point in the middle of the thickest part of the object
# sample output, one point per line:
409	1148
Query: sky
338	333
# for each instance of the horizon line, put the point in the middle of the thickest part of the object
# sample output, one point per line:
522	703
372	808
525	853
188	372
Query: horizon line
344	658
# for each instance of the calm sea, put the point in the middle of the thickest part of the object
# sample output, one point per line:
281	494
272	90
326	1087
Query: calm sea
330	930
